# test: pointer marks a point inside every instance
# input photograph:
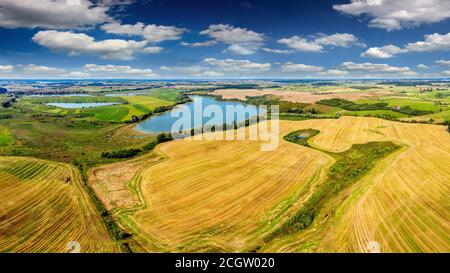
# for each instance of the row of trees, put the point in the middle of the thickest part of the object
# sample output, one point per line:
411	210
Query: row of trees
129	153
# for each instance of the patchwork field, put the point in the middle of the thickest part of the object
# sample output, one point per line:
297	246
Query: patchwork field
230	196
303	97
126	108
44	208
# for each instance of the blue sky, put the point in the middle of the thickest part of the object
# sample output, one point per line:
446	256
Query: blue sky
224	39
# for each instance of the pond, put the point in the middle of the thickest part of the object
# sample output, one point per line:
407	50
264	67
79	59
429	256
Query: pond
59	95
80	105
126	94
198	116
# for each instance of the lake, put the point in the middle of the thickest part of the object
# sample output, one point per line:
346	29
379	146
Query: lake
80	105
165	121
59	95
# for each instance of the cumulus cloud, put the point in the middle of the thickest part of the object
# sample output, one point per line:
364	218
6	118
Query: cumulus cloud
199	44
6	68
338	40
216	68
394	15
371	67
241	40
239	50
152	50
445	73
232	65
334	72
423	66
117	70
42	70
432	42
384	52
52	14
200	71
320	41
151	33
79	74
80	43
443	62
292	68
301	44
278	51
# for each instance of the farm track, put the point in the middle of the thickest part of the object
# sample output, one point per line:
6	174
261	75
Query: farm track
44	207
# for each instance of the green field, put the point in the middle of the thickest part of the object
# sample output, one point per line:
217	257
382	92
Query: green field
5	137
374	113
77	135
127	107
415	103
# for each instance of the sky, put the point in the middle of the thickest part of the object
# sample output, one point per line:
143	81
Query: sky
224	39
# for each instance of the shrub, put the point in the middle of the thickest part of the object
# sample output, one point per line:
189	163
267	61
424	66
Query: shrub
122	153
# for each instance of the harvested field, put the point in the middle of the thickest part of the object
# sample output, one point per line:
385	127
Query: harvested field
229	196
303	97
402	204
44	207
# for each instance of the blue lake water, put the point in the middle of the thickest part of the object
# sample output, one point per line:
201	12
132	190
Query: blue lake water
125	94
59	95
80	105
209	106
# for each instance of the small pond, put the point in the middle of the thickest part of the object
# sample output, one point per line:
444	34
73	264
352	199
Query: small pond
80	105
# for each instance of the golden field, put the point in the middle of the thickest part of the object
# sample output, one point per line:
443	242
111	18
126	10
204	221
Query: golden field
302	96
43	207
229	195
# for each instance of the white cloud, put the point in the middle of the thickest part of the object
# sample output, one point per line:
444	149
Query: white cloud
79	74
334	72
42	70
318	43
445	73
212	74
292	68
152	50
231	65
151	33
199	44
371	67
301	44
443	62
87	71
394	14
239	50
384	52
338	40
215	68
432	42
278	51
124	71
233	35
193	71
6	68
423	66
241	40
79	43
53	14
